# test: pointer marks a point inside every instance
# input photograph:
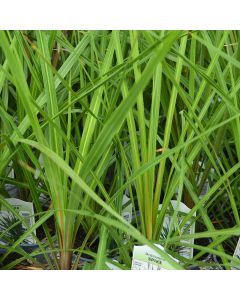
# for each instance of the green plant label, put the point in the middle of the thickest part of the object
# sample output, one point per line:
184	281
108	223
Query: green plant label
145	258
173	226
10	232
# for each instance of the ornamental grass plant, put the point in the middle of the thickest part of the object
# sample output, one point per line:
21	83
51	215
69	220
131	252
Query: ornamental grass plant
88	116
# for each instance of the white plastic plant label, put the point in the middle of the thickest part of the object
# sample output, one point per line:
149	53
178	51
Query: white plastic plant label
187	228
206	185
237	254
145	258
126	213
127	208
10	170
113	266
37	172
7	219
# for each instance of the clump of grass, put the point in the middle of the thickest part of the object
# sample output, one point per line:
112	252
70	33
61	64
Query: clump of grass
156	109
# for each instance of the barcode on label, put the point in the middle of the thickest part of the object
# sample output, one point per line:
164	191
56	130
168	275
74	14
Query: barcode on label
137	265
153	267
140	265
